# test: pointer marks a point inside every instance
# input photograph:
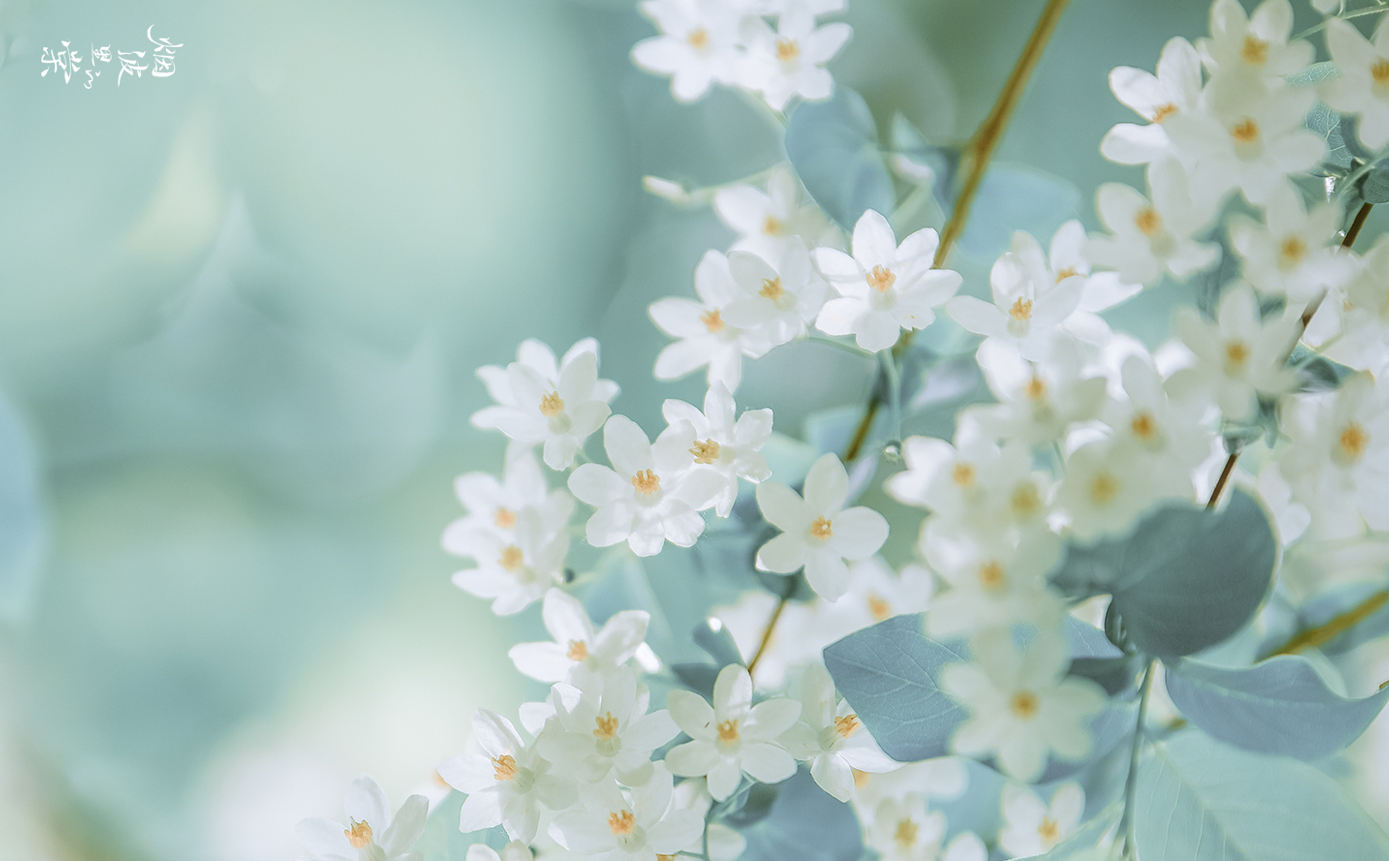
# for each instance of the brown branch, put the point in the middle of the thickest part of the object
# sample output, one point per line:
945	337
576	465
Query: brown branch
1224	478
1327	631
766	636
978	152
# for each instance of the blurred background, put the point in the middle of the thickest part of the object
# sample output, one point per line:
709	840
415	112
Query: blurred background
240	310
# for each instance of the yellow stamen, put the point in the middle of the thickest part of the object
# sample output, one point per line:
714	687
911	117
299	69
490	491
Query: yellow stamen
712	321
878	606
1353	441
771	289
1162	112
1068	272
905	835
551	405
772	226
1025	499
1292	250
1024	705
505	518
1148	221
1021	310
962	474
846	725
1246	132
698	38
881	279
1035	389
991	576
1236	354
512	557
1143	426
504	767
646	482
1103	488
1380	72
705	452
359	835
728	731
607	726
787	50
861	778
1049	831
1254	51
821	528
622	823
578	650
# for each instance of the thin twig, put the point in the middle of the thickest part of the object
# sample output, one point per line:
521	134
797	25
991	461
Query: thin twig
1224	477
1131	782
1332	628
766	635
978	152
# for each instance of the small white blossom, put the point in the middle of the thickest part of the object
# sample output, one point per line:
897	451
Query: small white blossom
648	497
733	736
576	643
818	533
1165	436
1254	47
1022	705
699	45
992	584
1033	828
1238	357
831	738
1362	89
1037	403
540	401
371	833
507	781
1295	253
516	567
1150	238
769	222
703	336
902	830
788	63
1104	489
602	728
716	442
1363	341
884	287
1175	89
778	302
1337	462
638	825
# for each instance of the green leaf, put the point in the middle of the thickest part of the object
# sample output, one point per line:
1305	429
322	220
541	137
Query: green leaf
442	841
804	823
1199	800
1314	74
1374	185
712	636
1278	706
833	145
1318	373
1185	579
1012	198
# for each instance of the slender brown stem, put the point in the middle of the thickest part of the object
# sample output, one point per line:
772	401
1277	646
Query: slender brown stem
1307	314
977	154
1333	628
766	636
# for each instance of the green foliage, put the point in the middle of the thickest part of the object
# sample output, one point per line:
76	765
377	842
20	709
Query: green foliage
805	823
1012	198
833	146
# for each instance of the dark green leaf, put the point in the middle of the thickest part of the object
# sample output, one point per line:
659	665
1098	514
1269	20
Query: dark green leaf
712	636
833	146
804	823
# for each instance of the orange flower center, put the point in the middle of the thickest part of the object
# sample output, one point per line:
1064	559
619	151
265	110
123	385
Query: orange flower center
712	321
1254	51
846	725
787	50
504	767
1049	830
578	651
1246	132
991	576
962	474
881	279
905	835
698	38
1103	488
1353	441
505	518
622	823
878	606
771	226
1143	426
1380	72
821	528
551	405
646	482
607	726
359	835
1024	705
728	731
1162	112
512	557
771	289
705	452
1021	310
1148	221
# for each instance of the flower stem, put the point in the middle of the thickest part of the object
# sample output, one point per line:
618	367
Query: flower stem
894	394
978	152
766	636
1359	13
1307	314
1332	628
1131	782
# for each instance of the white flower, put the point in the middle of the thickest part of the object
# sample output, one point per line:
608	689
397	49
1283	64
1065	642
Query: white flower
993	584
1175	89
787	63
716	443
1364	332
506	780
831	738
818	533
638	825
1238	357
1104	489
1252	145
1038	403
778	302
1295	254
1164	435
650	496
540	401
1028	306
704	336
733	736
904	831
493	505
512	851
884	287
876	592
1254	47
371	833
1150	238
576	644
974	484
602	728
725	844
1337	462
1022	705
768	222
1363	86
698	45
515	568
1033	828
